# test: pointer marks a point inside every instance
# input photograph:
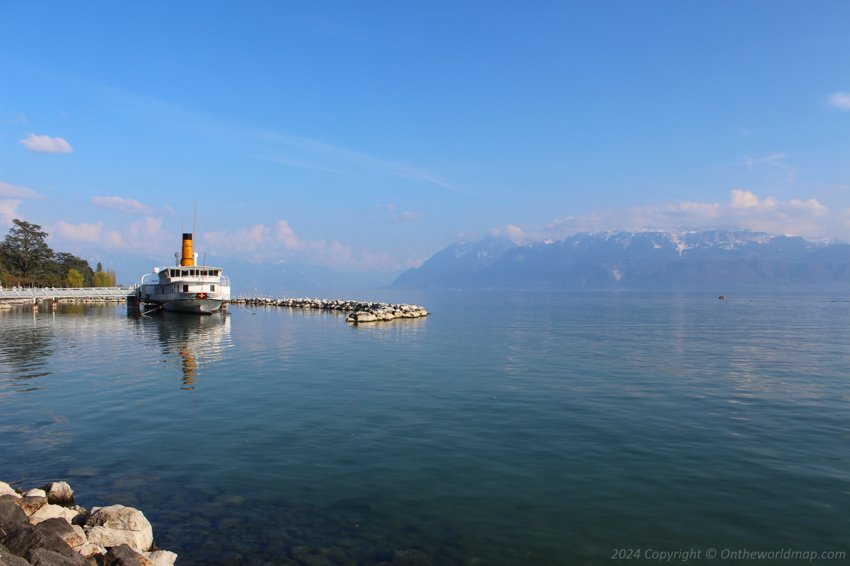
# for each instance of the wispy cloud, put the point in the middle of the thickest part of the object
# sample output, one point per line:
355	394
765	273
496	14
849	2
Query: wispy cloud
299	164
337	157
18	118
126	205
408	216
776	161
16	191
11	197
840	100
318	155
46	144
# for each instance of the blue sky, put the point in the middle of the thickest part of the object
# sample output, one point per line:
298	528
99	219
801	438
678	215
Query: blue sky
366	136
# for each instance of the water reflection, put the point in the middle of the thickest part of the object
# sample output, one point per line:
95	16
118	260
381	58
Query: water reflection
195	341
25	346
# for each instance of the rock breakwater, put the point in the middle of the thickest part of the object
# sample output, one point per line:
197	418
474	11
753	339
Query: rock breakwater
357	311
44	527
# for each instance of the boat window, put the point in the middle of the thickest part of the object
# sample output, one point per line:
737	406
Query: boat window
185	288
212	287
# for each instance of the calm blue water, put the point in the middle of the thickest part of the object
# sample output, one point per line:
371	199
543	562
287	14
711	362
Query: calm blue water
523	428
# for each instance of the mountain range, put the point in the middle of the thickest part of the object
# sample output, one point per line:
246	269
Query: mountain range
716	260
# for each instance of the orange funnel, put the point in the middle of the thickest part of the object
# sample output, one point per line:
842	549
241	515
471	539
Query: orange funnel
188	257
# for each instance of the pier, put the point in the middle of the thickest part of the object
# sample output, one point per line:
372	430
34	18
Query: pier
358	311
37	294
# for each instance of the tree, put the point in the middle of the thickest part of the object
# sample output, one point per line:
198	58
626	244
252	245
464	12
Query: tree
25	251
65	262
104	279
74	278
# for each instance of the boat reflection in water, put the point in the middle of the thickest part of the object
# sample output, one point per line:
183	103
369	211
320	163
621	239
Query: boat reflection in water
193	342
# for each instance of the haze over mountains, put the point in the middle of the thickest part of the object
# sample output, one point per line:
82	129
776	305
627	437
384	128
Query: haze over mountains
716	260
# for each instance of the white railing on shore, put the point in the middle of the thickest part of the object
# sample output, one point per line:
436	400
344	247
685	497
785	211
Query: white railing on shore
66	293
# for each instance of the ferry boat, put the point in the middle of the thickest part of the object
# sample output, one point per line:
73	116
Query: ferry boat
187	286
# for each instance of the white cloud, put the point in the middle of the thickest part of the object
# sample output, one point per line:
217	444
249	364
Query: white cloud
9	210
840	100
15	191
46	144
509	231
127	205
743	210
286	236
280	242
776	161
11	197
743	199
86	233
145	235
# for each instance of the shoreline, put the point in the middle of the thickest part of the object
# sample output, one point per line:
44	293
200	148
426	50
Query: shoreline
44	526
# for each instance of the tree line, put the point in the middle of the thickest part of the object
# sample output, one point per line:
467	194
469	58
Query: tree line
26	260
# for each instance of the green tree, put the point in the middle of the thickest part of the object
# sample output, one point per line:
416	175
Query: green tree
66	262
74	278
25	252
104	279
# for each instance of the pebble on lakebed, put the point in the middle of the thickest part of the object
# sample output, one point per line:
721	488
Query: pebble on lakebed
359	311
43	526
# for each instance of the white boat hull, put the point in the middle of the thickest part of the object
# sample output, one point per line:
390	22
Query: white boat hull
208	303
200	306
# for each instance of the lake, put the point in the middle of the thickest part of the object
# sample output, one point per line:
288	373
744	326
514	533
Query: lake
506	428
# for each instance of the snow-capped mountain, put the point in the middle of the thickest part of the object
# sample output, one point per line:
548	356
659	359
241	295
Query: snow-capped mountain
717	260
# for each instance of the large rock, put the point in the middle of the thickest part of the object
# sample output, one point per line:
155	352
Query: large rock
32	503
161	557
11	516
22	539
36	493
44	557
90	550
52	512
72	535
6	489
125	556
9	559
116	525
59	493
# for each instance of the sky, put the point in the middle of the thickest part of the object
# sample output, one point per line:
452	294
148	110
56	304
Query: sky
366	136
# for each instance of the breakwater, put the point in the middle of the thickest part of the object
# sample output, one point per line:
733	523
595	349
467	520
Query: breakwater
43	526
357	311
